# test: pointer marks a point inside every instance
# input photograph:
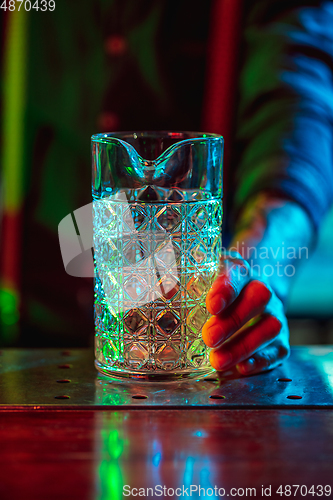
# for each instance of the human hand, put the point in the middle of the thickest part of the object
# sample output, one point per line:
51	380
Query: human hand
249	328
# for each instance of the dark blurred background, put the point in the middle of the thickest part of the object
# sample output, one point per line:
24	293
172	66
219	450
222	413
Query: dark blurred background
95	66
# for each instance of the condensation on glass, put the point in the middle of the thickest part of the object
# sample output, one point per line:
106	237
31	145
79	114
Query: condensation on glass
157	242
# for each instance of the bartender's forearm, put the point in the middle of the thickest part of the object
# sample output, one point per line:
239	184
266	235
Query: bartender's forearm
273	234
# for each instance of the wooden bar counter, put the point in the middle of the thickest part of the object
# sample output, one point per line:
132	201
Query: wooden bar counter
66	432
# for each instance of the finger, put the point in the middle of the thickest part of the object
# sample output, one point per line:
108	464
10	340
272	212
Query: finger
234	275
251	301
265	359
245	342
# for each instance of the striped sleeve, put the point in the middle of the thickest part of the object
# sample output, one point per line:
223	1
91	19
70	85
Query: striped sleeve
285	122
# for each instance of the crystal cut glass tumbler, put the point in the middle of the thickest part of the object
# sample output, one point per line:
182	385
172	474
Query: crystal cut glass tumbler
157	216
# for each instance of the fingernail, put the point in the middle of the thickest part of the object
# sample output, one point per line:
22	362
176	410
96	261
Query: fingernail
247	366
216	304
223	361
215	336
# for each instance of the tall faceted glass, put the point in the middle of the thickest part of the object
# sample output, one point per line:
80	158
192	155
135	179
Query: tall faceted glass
157	203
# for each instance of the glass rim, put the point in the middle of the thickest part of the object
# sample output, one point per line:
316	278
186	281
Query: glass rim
182	135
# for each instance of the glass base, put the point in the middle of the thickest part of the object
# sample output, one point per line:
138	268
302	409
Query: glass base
156	376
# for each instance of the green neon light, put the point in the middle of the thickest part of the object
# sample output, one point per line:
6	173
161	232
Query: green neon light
8	307
14	108
9	315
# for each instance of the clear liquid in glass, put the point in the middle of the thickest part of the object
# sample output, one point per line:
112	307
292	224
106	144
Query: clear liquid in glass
149	318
